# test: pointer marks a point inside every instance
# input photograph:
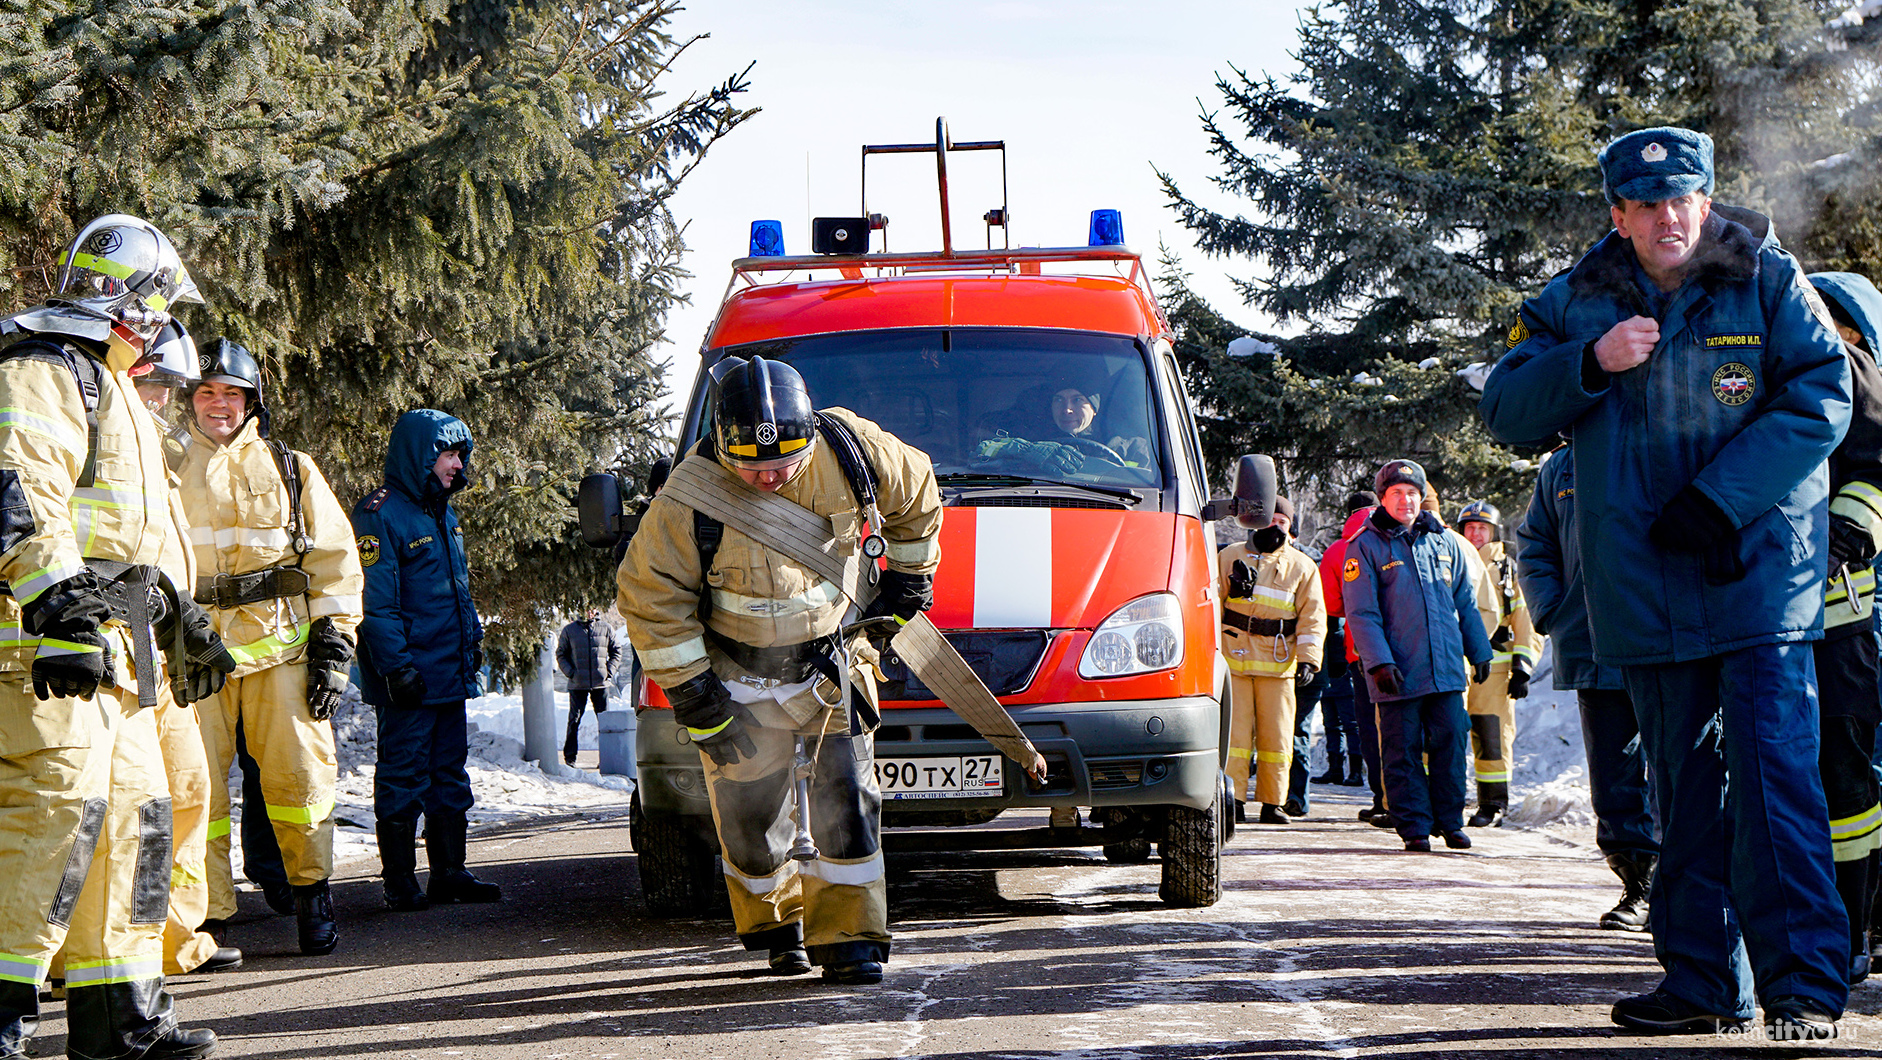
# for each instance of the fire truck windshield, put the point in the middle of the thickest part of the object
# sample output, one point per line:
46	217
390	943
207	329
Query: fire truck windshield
1002	401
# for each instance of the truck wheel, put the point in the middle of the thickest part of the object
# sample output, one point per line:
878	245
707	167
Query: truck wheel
1228	810
678	871
1192	856
1129	852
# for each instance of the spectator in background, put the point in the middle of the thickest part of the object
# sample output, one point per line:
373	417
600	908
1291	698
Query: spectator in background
1492	704
1412	607
587	653
1548	562
1703	386
1307	695
421	650
1363	748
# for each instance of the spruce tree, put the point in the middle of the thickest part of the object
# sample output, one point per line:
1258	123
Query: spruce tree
1433	164
460	205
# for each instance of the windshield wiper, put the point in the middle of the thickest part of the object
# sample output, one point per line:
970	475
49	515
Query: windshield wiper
962	478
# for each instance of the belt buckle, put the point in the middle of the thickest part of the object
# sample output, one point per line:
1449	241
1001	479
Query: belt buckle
762	684
222	591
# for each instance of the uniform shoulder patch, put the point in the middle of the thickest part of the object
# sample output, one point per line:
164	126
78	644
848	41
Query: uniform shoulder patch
1351	571
368	549
375	499
1518	332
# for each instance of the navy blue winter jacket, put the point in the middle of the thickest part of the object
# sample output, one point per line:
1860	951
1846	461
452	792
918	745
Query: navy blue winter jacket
1410	602
1549	567
1743	398
418	602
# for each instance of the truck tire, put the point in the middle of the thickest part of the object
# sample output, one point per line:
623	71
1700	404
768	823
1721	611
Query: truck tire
678	872
1228	811
1129	852
1192	856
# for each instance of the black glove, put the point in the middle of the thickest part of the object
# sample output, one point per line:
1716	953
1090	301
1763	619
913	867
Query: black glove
1304	673
1042	456
1389	680
1241	581
329	657
1479	673
73	657
1519	683
407	689
207	661
1502	639
1851	545
1690	522
716	723
901	596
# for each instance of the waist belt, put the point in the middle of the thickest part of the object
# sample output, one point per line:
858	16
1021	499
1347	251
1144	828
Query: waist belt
1263	627
135	593
225	591
784	663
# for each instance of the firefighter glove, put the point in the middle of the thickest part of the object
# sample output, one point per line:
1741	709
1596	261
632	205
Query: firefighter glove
73	658
715	723
1241	581
1690	522
1390	681
407	689
329	657
204	665
1304	673
901	596
1519	683
1503	640
1479	672
1850	543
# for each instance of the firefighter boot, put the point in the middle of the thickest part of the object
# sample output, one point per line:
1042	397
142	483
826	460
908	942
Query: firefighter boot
398	865
313	910
1856	883
450	881
136	1019
1336	770
1493	797
1636	872
19	1017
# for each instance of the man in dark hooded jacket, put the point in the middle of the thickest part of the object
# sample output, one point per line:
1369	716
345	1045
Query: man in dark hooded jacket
420	653
1702	387
1847	693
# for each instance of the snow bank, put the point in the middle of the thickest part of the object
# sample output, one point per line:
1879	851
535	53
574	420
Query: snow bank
506	787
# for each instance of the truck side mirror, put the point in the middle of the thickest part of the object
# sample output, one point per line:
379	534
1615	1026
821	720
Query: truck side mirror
598	505
1216	510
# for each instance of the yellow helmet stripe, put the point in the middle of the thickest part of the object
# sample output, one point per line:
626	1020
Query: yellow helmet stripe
742	450
792	445
114	269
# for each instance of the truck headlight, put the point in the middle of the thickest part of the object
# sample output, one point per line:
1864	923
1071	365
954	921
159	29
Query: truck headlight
1143	635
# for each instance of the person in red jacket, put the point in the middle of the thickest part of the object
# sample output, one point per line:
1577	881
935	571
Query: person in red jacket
1358	506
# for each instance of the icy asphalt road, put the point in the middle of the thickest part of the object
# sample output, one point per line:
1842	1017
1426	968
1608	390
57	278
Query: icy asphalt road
1330	941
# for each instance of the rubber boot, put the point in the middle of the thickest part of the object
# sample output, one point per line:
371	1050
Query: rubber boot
19	1017
1636	872
1336	770
398	865
110	1021
1856	883
313	910
1493	797
450	881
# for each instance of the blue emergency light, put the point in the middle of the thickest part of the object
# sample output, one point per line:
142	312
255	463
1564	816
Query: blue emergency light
767	239
1107	229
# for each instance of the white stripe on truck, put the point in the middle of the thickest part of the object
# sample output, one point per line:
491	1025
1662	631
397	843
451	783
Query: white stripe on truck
1013	568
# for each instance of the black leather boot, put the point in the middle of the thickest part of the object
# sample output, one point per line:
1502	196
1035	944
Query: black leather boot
1636	873
1336	770
398	865
450	881
136	1019
313	909
1493	798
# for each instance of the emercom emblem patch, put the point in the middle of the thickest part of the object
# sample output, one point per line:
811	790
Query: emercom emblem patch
1732	384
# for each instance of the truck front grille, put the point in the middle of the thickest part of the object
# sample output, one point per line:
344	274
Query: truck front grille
1004	659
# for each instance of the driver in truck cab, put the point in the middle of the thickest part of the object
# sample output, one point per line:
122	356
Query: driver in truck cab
751	646
1066	437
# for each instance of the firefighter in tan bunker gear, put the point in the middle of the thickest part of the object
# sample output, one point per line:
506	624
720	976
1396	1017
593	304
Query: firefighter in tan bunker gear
1492	704
277	567
1274	619
748	644
84	806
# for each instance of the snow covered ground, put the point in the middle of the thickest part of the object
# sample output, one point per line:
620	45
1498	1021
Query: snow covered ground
506	787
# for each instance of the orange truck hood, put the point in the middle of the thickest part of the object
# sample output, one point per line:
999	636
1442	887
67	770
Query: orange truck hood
1058	568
